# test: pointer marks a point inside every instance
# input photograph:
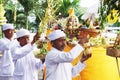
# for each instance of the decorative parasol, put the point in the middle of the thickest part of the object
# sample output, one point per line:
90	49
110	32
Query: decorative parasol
117	43
92	9
114	51
82	32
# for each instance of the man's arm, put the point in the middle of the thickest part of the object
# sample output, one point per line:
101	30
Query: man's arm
19	52
78	68
80	65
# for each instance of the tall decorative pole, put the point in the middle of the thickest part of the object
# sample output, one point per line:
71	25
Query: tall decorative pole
15	11
48	16
2	18
118	66
2	12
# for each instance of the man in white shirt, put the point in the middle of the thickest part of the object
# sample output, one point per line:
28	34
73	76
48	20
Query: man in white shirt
26	65
6	65
58	63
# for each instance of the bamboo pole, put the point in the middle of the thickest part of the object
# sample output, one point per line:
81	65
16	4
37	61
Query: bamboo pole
118	66
15	11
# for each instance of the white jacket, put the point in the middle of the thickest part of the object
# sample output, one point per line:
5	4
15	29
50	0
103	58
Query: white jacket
58	64
26	65
6	65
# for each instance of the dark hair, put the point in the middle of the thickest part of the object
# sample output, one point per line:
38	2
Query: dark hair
59	27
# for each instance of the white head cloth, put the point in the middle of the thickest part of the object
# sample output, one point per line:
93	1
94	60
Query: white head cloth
7	26
56	34
22	32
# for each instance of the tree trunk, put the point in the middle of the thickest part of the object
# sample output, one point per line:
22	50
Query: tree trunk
26	27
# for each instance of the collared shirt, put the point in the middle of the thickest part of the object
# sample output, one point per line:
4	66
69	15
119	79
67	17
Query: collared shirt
58	64
6	65
26	65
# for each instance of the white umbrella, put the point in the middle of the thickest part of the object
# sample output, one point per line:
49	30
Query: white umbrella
92	8
88	3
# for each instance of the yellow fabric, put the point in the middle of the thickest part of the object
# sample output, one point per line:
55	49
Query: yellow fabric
74	62
100	67
48	32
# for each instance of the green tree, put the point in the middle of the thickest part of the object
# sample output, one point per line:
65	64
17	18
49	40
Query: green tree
65	5
106	6
9	14
9	8
28	6
40	8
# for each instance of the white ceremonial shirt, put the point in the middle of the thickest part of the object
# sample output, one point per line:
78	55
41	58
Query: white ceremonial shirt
58	64
6	61
26	65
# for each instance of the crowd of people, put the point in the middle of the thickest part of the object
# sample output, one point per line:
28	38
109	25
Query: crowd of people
19	63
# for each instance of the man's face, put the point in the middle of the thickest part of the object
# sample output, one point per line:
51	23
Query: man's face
24	40
9	33
59	43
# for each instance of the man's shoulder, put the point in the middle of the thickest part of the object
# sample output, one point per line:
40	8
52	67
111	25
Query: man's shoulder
51	53
2	40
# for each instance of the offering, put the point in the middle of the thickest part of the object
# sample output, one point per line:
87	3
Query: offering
88	49
114	50
41	50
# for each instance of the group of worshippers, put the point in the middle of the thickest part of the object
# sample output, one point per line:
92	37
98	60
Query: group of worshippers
19	63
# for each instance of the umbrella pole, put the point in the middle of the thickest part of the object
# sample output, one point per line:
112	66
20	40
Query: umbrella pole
118	66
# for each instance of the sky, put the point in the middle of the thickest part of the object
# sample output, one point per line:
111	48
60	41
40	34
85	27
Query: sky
88	3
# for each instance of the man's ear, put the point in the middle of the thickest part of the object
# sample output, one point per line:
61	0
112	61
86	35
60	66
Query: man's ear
3	31
18	39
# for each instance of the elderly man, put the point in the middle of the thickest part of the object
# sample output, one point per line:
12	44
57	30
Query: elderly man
6	65
58	62
26	65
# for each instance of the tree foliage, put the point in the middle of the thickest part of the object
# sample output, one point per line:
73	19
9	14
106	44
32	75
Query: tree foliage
27	4
66	5
9	8
38	7
106	6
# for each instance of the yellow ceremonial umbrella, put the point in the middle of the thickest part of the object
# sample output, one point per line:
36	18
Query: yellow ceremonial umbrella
100	66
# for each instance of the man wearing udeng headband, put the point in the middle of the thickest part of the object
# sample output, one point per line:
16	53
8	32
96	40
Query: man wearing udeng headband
58	62
26	65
